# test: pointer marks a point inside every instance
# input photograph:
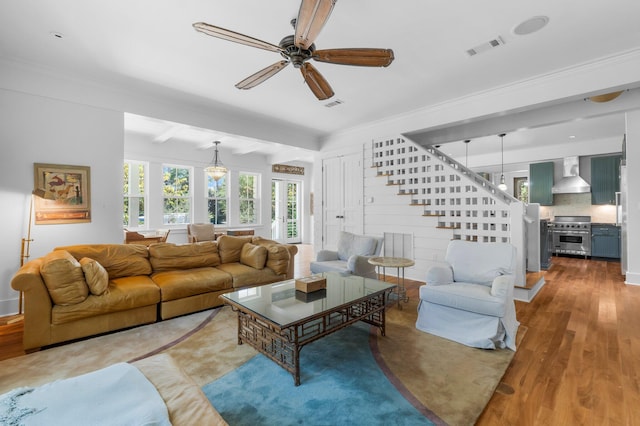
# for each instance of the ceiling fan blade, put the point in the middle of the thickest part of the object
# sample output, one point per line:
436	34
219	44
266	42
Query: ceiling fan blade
225	34
359	56
312	16
262	75
316	82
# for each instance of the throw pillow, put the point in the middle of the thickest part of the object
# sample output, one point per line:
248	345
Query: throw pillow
278	259
95	275
254	256
64	279
230	247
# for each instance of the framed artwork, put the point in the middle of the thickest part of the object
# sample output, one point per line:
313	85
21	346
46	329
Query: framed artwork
62	194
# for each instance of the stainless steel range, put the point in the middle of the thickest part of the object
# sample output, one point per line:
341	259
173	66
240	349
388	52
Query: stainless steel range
571	235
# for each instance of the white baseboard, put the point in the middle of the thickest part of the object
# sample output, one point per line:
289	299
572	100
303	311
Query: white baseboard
527	294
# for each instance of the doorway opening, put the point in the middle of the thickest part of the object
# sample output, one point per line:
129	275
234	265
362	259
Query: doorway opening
285	211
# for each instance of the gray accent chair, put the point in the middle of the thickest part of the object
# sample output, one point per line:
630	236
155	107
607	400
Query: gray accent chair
352	256
469	299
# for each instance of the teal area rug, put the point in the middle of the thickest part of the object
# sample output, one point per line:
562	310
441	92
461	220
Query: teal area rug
341	384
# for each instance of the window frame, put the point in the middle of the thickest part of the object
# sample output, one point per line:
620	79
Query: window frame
255	200
130	195
208	199
188	216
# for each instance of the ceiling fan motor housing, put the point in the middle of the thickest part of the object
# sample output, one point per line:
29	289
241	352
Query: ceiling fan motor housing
296	55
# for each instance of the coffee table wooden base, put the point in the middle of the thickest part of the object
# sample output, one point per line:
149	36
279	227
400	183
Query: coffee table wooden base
283	344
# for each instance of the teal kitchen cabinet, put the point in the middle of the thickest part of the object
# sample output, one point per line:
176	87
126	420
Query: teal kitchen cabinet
605	179
605	240
540	183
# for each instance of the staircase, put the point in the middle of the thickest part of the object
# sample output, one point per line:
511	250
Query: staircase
462	201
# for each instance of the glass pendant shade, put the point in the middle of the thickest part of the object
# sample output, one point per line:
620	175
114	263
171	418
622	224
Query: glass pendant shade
502	186
216	169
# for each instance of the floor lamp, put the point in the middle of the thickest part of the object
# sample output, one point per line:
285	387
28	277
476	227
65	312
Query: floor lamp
26	245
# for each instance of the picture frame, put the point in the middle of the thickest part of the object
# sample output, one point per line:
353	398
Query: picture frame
62	194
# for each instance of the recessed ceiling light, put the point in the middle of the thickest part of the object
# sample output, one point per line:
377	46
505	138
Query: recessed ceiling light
56	34
531	25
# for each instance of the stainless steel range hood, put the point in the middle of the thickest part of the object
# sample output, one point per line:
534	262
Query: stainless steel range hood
571	182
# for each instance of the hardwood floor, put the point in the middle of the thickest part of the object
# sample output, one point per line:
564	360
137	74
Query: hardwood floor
579	360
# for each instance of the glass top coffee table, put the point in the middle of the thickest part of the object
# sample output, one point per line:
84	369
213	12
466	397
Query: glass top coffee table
277	320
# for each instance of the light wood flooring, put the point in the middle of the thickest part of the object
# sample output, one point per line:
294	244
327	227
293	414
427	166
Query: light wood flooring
579	360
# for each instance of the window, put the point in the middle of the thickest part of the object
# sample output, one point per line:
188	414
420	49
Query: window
217	201
521	189
176	194
134	194
248	198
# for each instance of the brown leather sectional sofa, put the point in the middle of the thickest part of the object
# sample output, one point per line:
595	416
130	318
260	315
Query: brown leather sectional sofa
83	290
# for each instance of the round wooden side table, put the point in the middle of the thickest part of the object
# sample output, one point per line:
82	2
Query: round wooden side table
383	262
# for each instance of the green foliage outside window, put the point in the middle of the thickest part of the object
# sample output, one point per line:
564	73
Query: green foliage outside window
521	189
217	200
248	202
292	210
133	194
177	195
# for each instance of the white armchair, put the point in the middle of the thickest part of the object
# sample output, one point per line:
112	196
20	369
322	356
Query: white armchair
351	257
470	299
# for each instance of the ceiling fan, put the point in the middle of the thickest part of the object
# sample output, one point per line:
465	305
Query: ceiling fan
299	48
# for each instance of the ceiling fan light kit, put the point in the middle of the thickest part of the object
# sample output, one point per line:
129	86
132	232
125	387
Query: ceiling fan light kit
299	48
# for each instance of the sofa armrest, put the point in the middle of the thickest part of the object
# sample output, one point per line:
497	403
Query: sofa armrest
501	286
439	275
37	305
326	255
293	250
359	265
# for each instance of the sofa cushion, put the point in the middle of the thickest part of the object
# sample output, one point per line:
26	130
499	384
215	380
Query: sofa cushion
120	260
278	258
124	294
350	244
64	278
168	256
328	266
178	284
244	276
95	275
253	255
230	247
465	296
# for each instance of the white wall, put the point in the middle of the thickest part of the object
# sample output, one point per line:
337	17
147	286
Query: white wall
633	214
35	129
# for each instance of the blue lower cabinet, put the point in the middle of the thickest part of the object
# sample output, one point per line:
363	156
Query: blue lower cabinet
605	241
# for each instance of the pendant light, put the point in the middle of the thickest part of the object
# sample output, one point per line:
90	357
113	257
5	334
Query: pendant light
466	153
502	186
216	169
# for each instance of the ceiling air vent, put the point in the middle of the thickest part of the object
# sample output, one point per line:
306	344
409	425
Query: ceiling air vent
498	41
334	103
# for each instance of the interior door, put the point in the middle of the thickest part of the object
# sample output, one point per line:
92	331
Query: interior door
342	186
285	211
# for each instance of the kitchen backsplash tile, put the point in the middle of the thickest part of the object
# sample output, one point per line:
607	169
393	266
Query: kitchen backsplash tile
578	205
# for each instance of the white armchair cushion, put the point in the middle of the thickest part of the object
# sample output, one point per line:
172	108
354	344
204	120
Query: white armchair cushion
465	296
439	275
350	244
481	266
501	286
326	255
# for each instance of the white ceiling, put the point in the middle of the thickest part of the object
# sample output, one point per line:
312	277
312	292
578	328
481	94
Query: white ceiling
151	42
